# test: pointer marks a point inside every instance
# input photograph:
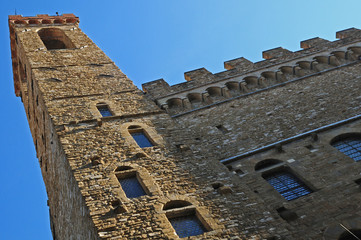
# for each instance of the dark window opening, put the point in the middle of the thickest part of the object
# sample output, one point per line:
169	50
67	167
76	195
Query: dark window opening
131	187
55	38
351	235
105	75
288	185
358	181
104	110
222	129
287	214
54	80
350	146
141	139
217	185
186	226
310	147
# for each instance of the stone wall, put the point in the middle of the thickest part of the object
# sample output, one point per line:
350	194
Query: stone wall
83	154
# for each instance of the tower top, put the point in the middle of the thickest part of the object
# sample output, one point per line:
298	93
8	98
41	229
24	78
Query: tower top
43	19
40	20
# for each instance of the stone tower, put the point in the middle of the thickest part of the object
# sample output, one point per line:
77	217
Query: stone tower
266	150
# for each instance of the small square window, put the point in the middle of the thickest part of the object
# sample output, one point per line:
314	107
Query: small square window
141	139
186	226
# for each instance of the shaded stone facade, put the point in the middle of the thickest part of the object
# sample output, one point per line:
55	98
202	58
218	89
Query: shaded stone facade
213	141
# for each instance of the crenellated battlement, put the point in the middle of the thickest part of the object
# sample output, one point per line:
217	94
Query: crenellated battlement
43	19
243	77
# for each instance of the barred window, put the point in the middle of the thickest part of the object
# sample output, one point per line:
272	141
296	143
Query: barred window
140	136
186	226
104	110
350	146
131	187
127	177
184	218
288	185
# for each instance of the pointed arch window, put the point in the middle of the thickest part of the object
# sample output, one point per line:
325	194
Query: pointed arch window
55	38
184	218
140	136
282	179
349	145
104	110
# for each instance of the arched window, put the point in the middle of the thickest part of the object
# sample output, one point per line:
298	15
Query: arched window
140	136
104	110
54	38
184	218
352	234
349	145
129	182
282	179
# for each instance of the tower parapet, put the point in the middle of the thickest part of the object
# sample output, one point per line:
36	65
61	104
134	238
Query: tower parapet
244	77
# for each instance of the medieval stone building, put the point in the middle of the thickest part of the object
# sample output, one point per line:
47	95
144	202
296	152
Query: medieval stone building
265	150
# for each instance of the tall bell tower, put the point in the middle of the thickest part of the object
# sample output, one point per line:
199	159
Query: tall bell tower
263	150
108	170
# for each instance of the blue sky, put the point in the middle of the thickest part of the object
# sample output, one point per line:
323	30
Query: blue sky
148	40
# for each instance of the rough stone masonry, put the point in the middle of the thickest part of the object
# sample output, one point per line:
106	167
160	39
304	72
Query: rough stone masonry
265	150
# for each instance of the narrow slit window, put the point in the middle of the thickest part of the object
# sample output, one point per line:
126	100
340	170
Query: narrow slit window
104	110
288	185
350	146
141	139
131	187
186	226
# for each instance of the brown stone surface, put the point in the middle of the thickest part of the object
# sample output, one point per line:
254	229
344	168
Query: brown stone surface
192	127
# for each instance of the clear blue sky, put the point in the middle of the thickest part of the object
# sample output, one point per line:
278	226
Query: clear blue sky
148	40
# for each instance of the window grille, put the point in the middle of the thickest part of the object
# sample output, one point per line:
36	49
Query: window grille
350	146
141	139
187	226
287	185
131	187
104	110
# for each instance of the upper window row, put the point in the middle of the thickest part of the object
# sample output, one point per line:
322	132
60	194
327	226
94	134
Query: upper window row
349	145
283	179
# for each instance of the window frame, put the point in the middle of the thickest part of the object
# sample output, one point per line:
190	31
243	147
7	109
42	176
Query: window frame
140	129
185	211
103	104
129	174
344	137
279	166
47	34
286	170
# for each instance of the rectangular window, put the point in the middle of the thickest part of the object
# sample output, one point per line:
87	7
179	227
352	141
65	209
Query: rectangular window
287	185
141	139
186	226
131	187
104	111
